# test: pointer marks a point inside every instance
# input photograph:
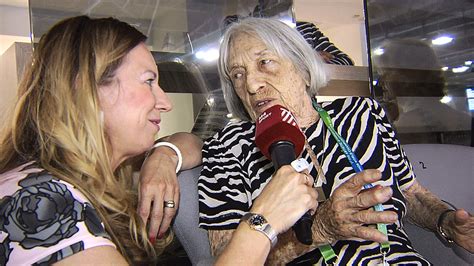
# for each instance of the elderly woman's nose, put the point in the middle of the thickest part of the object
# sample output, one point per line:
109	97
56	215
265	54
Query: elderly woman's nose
254	83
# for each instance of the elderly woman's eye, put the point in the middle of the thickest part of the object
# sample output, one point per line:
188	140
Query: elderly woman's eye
237	75
265	61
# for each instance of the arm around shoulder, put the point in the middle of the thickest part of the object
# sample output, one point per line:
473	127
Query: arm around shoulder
190	146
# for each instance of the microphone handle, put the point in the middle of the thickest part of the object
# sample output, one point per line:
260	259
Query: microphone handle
283	153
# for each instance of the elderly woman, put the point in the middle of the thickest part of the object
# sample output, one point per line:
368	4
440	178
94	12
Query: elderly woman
262	63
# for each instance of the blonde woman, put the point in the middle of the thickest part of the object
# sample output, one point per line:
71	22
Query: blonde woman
90	101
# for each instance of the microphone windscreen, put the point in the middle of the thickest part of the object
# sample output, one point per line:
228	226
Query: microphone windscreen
277	124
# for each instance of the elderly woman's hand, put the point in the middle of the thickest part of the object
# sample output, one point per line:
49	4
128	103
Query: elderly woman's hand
347	212
460	227
158	183
286	198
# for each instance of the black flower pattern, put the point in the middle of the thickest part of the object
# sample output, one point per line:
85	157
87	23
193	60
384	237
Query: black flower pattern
93	222
5	251
61	254
42	213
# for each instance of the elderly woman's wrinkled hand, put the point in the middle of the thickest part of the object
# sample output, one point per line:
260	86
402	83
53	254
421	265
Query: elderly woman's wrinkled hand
286	198
158	183
349	209
460	227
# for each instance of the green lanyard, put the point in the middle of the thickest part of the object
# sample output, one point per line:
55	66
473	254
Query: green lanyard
326	250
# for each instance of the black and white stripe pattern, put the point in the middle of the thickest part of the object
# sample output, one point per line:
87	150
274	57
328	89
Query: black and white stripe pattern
319	42
235	172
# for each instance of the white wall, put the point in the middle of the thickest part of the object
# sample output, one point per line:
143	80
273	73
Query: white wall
14	26
8	81
342	21
181	117
350	38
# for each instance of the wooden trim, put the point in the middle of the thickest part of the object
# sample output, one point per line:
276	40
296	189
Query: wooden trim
346	81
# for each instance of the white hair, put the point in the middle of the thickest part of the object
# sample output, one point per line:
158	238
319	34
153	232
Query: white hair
286	42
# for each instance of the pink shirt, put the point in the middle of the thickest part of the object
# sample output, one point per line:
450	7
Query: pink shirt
44	219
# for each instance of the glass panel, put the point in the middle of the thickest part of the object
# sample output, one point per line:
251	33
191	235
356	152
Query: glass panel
183	36
421	53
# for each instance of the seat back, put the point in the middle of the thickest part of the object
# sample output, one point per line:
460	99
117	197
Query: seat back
447	171
186	223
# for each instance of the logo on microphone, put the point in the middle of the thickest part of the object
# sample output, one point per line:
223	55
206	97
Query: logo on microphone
287	116
264	116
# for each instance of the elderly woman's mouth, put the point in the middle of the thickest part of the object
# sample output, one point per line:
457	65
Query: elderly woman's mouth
263	104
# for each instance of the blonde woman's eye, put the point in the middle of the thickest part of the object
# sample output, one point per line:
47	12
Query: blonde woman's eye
150	82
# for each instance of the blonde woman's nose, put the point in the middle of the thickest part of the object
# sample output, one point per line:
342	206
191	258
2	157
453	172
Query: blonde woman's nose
162	101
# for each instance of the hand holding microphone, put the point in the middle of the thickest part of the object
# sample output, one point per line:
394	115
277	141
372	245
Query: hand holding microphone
286	198
280	139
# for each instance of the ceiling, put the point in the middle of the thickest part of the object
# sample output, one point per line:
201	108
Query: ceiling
330	13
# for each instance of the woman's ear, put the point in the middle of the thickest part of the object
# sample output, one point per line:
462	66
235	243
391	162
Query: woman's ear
306	82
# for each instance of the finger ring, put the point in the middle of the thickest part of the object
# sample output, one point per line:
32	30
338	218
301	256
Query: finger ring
169	203
300	165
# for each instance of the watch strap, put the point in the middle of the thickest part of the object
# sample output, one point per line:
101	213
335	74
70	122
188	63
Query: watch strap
264	228
440	228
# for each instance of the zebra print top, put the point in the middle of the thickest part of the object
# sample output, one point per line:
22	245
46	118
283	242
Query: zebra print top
234	173
319	42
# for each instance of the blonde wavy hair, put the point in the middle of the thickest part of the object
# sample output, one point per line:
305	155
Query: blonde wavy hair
57	123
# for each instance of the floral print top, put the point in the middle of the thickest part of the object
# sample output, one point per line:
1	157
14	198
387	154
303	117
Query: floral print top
44	219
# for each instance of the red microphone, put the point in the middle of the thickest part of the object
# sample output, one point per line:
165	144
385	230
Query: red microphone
277	130
279	138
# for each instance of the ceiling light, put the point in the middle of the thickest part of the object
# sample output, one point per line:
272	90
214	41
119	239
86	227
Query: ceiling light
208	55
468	63
441	40
446	99
199	55
379	51
210	101
445	68
460	69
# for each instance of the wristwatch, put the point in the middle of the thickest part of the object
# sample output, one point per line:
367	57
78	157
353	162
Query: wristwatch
440	228
258	223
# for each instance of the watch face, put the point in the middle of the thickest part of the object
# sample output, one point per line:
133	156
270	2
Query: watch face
257	220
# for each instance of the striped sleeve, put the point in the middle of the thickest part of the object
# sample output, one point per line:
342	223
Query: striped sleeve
319	42
223	193
399	163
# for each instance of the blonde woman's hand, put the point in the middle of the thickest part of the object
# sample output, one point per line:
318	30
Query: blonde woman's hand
286	198
158	183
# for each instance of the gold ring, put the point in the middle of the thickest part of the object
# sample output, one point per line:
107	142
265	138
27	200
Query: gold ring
169	203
